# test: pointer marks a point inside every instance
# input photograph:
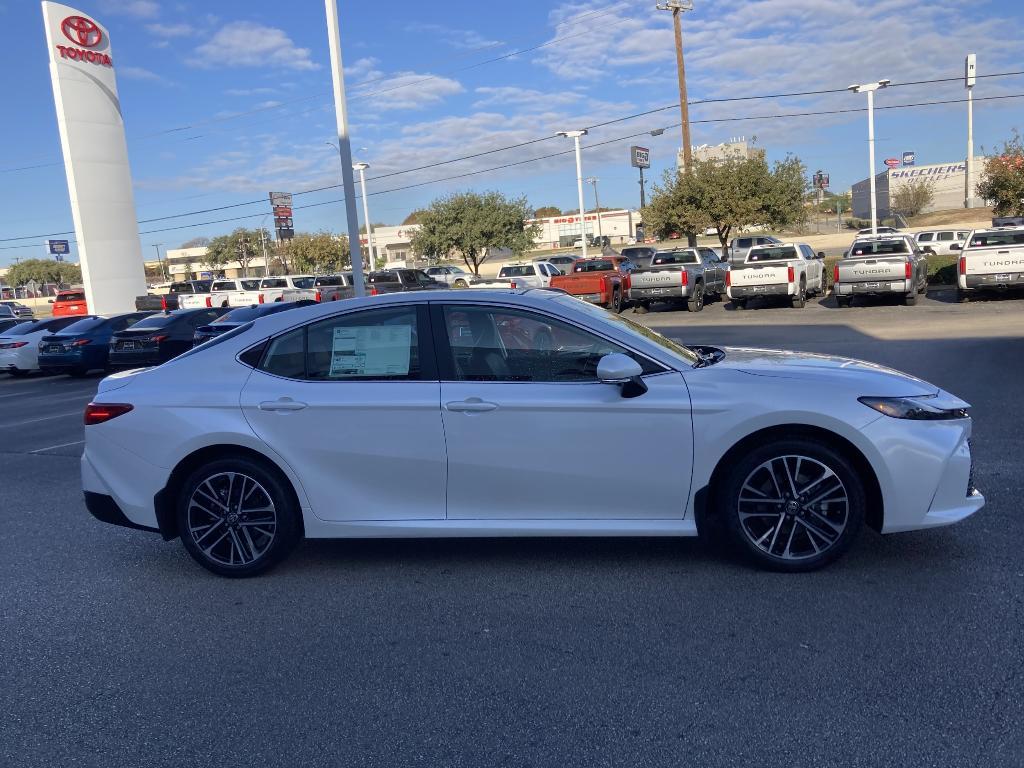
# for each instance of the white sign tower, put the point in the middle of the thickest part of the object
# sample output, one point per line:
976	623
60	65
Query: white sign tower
95	159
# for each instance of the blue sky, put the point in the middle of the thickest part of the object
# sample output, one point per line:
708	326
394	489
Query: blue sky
226	101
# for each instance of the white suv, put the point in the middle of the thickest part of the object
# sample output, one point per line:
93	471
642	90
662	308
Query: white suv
938	241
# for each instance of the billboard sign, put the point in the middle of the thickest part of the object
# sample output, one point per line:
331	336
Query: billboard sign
892	162
281	202
640	157
58	248
908	158
971	70
281	199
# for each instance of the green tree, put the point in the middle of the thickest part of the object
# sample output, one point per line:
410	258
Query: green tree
468	223
319	253
242	246
547	210
44	271
726	195
413	218
912	197
1002	181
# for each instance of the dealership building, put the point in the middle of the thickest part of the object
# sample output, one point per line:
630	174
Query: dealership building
948	181
562	231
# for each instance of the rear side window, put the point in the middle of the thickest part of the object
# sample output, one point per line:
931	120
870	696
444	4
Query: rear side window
946	236
70	297
304	283
383	277
274	283
744	242
926	237
328	280
771	254
520	270
223	285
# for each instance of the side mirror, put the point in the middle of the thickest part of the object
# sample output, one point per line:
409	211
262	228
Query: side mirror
821	255
621	369
956	247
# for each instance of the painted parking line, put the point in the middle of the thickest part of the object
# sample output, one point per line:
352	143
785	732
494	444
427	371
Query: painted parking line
42	418
55	447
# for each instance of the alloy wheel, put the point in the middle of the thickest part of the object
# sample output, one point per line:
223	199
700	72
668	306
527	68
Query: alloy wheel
232	519
793	507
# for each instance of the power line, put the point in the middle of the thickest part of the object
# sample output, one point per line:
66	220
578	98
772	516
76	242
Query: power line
527	161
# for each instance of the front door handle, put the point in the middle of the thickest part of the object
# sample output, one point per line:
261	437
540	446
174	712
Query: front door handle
282	404
472	405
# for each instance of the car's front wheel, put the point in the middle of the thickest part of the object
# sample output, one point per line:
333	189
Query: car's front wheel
460	283
793	505
237	518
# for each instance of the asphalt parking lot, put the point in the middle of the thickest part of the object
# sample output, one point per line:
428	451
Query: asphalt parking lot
118	650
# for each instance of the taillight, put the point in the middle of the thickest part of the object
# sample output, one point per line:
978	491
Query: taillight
158	339
209	302
835	273
373	292
684	279
728	278
163	303
14	345
319	296
80	343
907	270
98	413
963	265
262	299
792	275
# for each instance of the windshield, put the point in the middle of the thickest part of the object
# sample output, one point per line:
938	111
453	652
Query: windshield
599	265
989	239
156	321
771	254
524	270
84	326
675	257
213	342
633	329
26	328
879	247
243	314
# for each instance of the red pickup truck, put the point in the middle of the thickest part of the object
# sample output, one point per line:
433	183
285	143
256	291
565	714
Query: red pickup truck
603	280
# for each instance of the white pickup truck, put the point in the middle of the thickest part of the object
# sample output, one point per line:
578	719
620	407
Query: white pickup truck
991	260
790	270
535	274
273	289
220	294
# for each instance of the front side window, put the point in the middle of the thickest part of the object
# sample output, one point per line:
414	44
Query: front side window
511	345
373	345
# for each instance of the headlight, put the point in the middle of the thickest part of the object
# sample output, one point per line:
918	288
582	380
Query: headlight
916	408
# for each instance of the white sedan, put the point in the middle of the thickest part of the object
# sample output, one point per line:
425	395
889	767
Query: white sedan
406	416
19	345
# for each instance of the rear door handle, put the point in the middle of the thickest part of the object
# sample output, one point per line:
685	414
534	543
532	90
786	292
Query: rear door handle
283	404
472	405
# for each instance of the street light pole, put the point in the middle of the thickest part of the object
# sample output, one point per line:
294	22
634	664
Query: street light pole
361	167
970	77
597	203
344	146
869	89
575	136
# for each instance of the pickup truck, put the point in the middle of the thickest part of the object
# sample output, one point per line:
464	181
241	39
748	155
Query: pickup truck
686	275
881	264
739	246
603	281
290	288
454	277
791	270
535	274
220	294
169	301
400	281
992	260
334	287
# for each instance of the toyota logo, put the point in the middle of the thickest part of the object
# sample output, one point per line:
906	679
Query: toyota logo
81	30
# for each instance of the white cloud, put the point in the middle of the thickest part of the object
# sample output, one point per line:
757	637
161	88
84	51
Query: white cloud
406	90
171	30
249	91
140	9
248	44
139	73
463	39
525	99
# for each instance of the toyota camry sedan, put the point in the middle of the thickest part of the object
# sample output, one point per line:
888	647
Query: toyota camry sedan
477	413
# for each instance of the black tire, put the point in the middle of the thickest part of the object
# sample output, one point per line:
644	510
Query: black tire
962	296
616	303
799	301
815	537
696	301
18	373
843	301
910	299
460	283
642	307
273	540
738	303
78	373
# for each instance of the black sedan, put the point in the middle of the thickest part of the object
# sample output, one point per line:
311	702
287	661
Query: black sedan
83	346
158	338
241	316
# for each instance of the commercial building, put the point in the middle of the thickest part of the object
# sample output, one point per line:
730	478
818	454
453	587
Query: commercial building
562	231
737	147
948	182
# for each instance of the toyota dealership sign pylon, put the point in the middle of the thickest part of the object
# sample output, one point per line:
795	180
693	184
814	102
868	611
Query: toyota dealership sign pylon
95	158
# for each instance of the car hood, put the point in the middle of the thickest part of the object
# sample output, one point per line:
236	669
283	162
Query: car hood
825	370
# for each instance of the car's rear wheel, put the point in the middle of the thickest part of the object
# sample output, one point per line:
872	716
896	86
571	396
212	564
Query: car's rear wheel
799	301
962	296
642	307
793	505
739	303
696	301
78	373
616	302
17	372
910	299
460	283
237	518
843	301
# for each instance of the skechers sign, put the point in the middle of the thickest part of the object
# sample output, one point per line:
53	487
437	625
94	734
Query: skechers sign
86	33
931	173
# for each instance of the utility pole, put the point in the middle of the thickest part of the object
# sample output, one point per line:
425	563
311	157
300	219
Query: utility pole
163	267
678	7
575	136
869	89
597	203
344	146
970	77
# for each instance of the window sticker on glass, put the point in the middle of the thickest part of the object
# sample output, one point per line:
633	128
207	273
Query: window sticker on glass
371	350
